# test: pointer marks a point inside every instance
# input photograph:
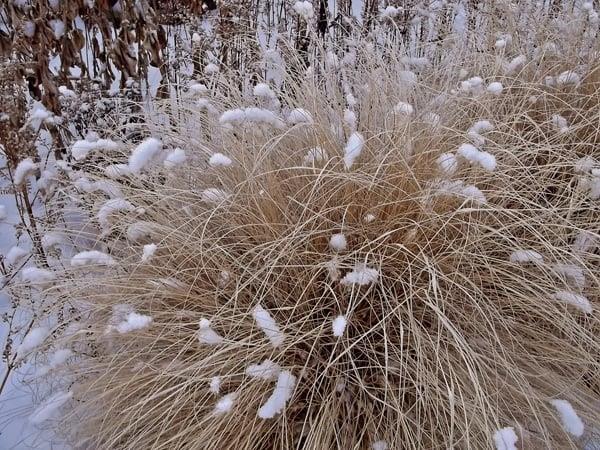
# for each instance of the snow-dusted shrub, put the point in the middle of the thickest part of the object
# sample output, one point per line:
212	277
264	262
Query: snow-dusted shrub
372	283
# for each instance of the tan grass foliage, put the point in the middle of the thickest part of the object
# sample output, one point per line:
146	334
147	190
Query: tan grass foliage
451	342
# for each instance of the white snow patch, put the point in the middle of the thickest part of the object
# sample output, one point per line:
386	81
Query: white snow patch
144	154
568	417
47	409
175	158
338	242
81	149
35	275
525	256
148	252
225	404
505	439
447	163
304	9
252	115
280	396
110	207
219	160
579	301
268	325
379	445
360	275
33	340
92	257
300	116
134	322
15	255
568	77
353	149
206	335
495	88
338	325
403	108
266	370
215	385
24	170
560	123
115	171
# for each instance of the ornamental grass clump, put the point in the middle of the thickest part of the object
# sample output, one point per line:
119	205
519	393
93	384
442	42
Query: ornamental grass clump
357	275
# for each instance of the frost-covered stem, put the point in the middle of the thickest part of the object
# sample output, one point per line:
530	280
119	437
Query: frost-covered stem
10	365
33	230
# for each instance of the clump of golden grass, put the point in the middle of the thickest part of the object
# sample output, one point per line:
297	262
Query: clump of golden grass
451	340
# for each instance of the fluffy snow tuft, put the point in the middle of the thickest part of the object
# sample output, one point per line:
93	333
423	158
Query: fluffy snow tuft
115	171
505	439
176	157
219	160
211	69
338	325
560	123
368	218
225	404
266	370
403	108
360	275
338	242
134	322
280	396
481	126
568	77
353	149
110	207
35	275
572	273
300	116
215	385
568	417
526	256
263	90
516	64
268	325
447	163
390	12
304	9
350	119
459	189
81	149
15	255
474	155
585	242
252	115
379	445
92	257
495	88
47	409
206	335
58	358
148	252
576	300
34	338
24	169
144	155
